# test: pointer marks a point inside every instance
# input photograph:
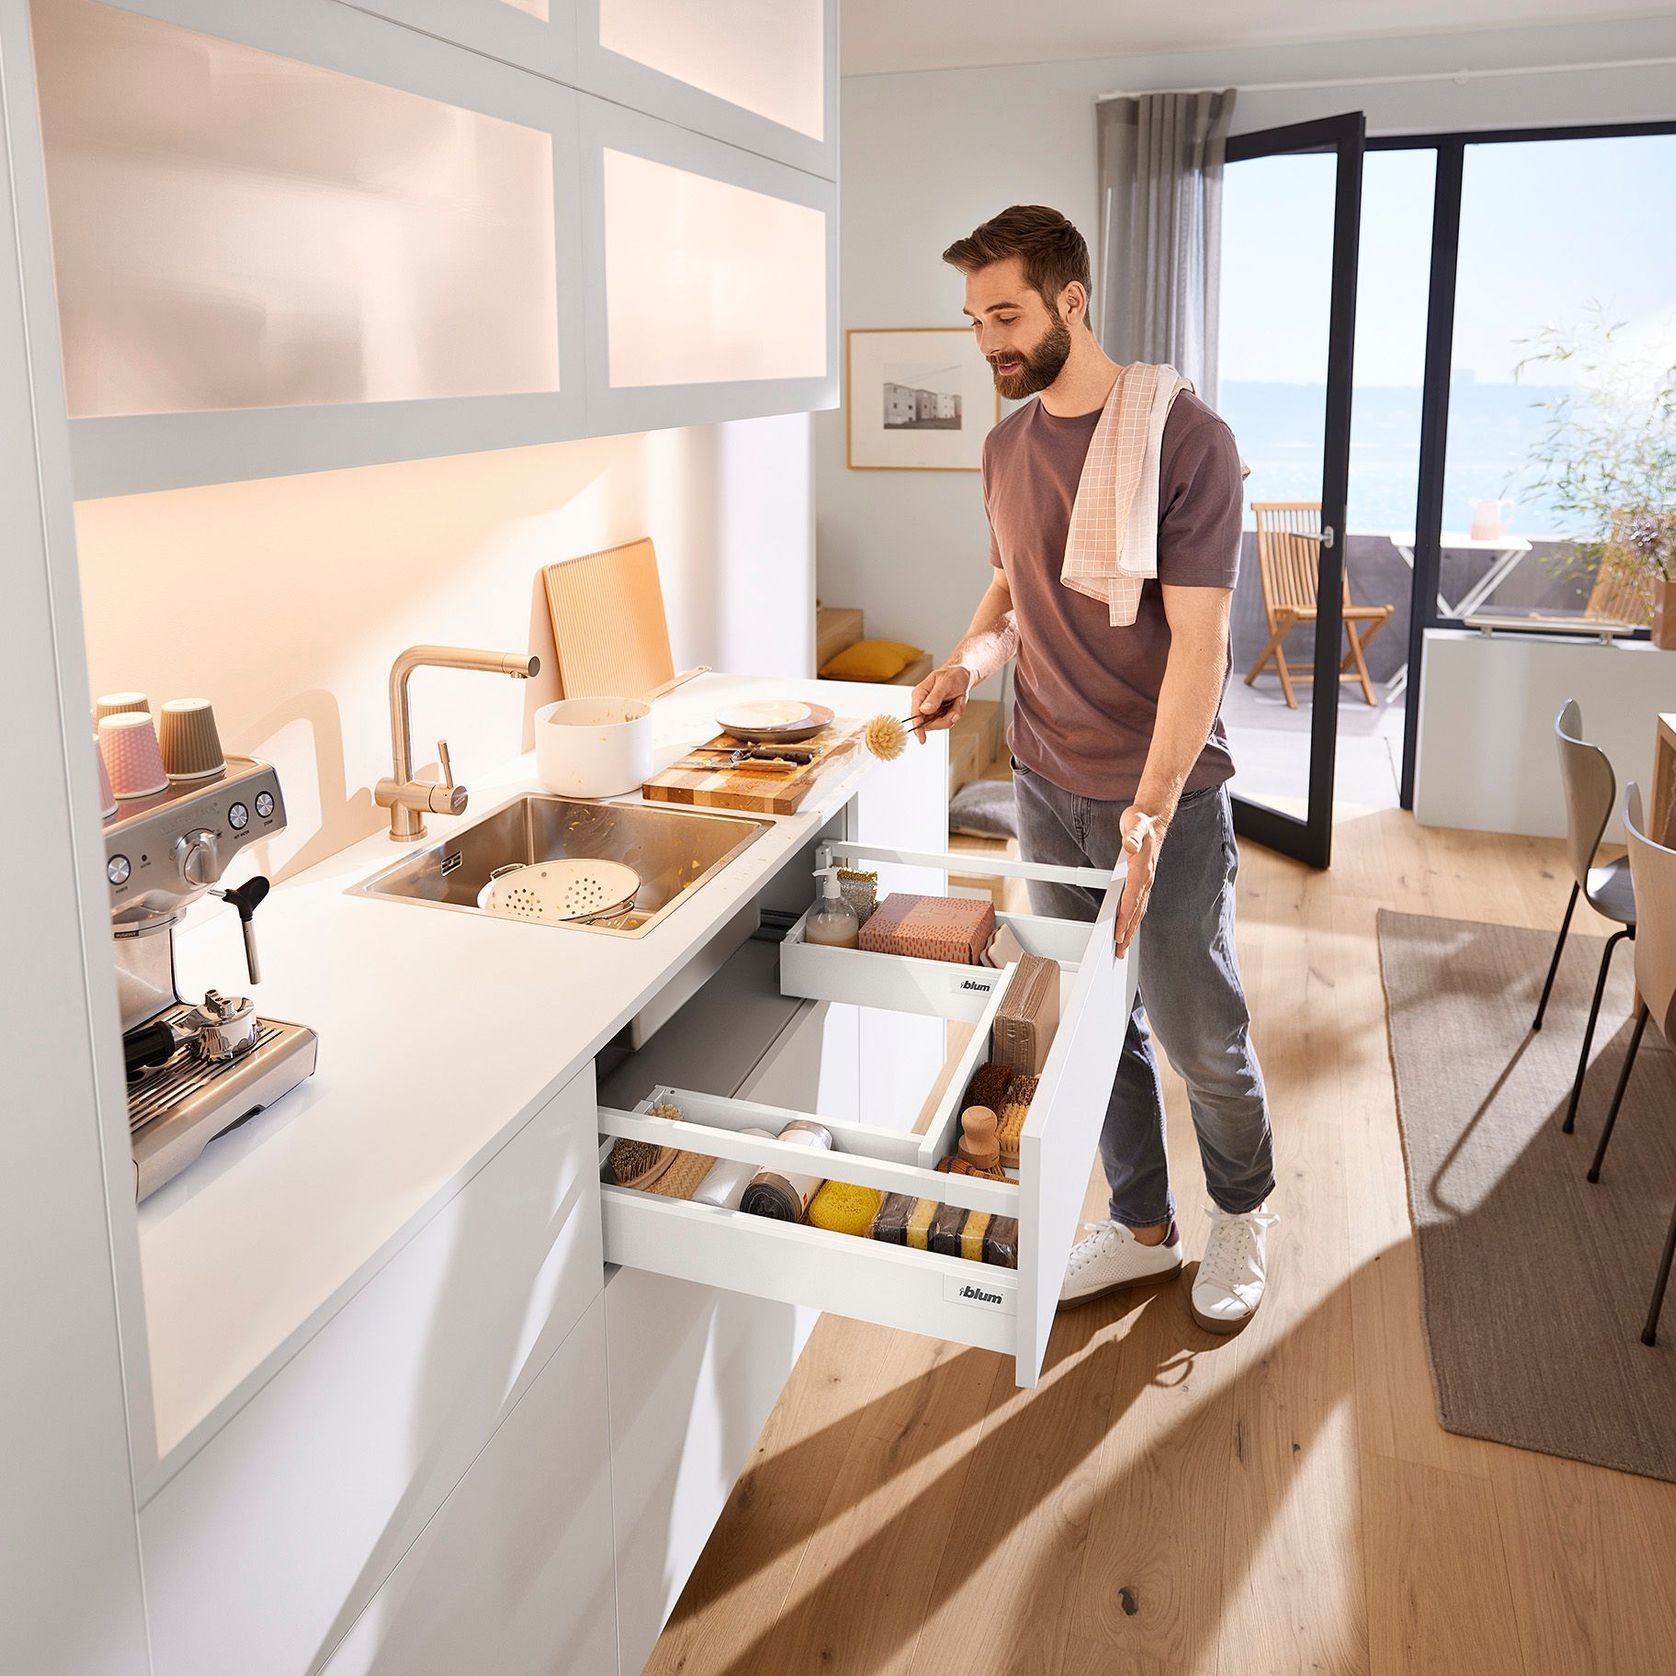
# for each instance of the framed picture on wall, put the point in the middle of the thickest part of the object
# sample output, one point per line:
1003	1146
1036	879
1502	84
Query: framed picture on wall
918	399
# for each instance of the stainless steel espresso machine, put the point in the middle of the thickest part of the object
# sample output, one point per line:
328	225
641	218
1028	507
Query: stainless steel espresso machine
195	1070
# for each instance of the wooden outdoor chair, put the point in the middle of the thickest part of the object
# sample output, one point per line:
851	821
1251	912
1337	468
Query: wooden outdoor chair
1287	560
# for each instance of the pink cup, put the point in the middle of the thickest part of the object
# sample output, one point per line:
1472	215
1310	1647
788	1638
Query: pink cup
128	743
107	797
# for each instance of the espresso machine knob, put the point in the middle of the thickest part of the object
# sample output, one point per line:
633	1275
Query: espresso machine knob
198	858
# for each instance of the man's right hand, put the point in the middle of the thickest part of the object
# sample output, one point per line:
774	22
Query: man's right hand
951	682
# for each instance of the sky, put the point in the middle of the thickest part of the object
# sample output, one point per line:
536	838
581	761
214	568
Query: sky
1546	226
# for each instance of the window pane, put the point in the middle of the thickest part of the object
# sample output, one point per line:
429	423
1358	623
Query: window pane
233	229
708	282
1558	238
767	56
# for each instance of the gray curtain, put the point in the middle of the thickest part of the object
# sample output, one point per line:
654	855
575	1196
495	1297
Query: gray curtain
1161	157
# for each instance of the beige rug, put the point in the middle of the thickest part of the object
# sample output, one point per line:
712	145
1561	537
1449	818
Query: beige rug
1534	1284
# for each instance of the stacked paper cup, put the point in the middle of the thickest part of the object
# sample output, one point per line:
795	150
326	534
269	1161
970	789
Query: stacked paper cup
190	744
107	797
128	744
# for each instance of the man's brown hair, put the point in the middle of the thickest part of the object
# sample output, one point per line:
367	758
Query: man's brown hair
1053	252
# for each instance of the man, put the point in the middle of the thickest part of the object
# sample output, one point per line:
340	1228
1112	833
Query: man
1118	750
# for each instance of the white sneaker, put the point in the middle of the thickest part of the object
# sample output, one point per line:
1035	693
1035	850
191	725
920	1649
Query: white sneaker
1229	1285
1109	1257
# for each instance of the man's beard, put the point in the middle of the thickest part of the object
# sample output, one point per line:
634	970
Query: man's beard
1038	367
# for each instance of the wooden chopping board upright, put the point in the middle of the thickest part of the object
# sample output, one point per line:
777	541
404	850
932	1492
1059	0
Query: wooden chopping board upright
608	622
756	794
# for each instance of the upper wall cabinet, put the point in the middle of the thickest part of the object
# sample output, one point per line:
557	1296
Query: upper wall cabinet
289	238
759	74
540	35
710	277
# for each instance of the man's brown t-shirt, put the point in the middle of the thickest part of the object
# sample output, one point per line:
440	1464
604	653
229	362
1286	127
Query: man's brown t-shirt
1087	693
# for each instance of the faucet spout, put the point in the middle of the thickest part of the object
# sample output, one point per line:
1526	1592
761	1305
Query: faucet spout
407	799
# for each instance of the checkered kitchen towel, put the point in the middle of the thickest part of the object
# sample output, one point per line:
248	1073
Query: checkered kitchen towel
1112	545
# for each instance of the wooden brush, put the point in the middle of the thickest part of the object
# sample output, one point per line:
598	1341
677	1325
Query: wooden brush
886	737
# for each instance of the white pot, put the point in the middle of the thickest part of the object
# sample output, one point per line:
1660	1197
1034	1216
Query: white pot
593	747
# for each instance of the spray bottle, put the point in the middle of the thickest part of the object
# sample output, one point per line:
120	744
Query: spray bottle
833	924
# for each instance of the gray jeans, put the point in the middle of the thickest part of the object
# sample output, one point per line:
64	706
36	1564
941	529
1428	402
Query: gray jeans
1189	994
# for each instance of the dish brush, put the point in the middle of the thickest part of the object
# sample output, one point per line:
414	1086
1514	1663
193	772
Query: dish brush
886	736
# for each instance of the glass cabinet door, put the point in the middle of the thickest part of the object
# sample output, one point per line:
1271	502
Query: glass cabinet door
710	277
758	74
538	35
266	228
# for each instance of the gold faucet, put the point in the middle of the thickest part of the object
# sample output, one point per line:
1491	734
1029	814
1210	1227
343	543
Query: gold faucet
407	799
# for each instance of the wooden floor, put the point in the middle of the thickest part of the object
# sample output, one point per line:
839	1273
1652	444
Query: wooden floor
1165	1502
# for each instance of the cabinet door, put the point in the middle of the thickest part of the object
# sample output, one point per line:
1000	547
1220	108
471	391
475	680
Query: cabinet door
292	238
263	1548
759	74
515	1574
695	1373
538	35
711	278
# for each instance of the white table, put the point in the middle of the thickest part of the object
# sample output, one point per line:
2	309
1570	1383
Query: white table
1508	550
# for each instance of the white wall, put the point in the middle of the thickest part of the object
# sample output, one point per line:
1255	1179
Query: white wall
285	600
928	155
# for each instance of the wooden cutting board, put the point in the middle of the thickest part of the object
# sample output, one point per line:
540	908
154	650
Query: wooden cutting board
608	622
757	794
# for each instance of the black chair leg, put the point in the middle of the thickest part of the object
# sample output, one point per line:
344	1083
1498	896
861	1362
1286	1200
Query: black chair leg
1649	1333
1618	1098
1589	1032
1554	964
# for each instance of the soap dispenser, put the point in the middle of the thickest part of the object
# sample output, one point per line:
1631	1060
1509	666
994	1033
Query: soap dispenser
833	924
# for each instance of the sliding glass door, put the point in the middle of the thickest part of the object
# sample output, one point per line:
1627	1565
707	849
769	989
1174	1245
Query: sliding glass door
1291	216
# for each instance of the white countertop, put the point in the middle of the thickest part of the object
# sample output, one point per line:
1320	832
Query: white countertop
440	1034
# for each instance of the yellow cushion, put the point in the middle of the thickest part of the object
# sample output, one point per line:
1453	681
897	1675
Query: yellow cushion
871	660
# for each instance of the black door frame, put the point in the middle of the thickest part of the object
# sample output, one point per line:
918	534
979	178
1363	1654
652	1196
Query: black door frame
1311	840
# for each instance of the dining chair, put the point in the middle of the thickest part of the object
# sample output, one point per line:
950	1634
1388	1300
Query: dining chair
1288	560
1654	870
1590	787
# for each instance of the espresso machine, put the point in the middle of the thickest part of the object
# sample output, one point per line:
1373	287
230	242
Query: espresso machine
195	1069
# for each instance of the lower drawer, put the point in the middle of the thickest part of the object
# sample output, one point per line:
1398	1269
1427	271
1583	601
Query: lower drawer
966	1302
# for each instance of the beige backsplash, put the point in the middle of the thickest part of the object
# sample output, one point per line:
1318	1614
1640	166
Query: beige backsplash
284	600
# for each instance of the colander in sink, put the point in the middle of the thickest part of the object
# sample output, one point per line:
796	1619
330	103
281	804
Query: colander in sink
555	892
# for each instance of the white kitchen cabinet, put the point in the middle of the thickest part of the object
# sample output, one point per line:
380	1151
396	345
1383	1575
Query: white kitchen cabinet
515	1574
759	74
967	1302
710	280
301	237
537	35
262	1549
694	1374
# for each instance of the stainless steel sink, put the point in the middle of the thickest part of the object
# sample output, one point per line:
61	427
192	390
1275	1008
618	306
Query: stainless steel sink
673	850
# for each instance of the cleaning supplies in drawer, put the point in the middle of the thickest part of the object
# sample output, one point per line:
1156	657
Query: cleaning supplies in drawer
951	928
926	1225
844	1208
977	1153
786	1197
725	1184
860	888
832	923
1028	1016
640	1163
1016	1107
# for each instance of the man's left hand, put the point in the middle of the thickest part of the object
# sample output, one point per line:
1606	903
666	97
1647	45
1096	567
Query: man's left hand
1143	838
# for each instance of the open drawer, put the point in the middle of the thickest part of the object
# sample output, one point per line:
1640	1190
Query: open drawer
954	1298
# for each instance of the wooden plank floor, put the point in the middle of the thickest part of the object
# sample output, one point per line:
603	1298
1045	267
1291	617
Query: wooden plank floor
1168	1503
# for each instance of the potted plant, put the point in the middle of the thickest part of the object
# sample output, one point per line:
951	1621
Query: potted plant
1607	459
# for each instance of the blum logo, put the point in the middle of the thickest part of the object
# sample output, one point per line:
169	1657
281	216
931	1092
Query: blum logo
976	1296
982	987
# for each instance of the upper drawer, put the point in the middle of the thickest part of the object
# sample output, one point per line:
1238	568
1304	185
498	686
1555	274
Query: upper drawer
948	1297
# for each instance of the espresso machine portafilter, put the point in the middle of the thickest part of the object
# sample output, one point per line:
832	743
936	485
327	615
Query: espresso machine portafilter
195	1070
